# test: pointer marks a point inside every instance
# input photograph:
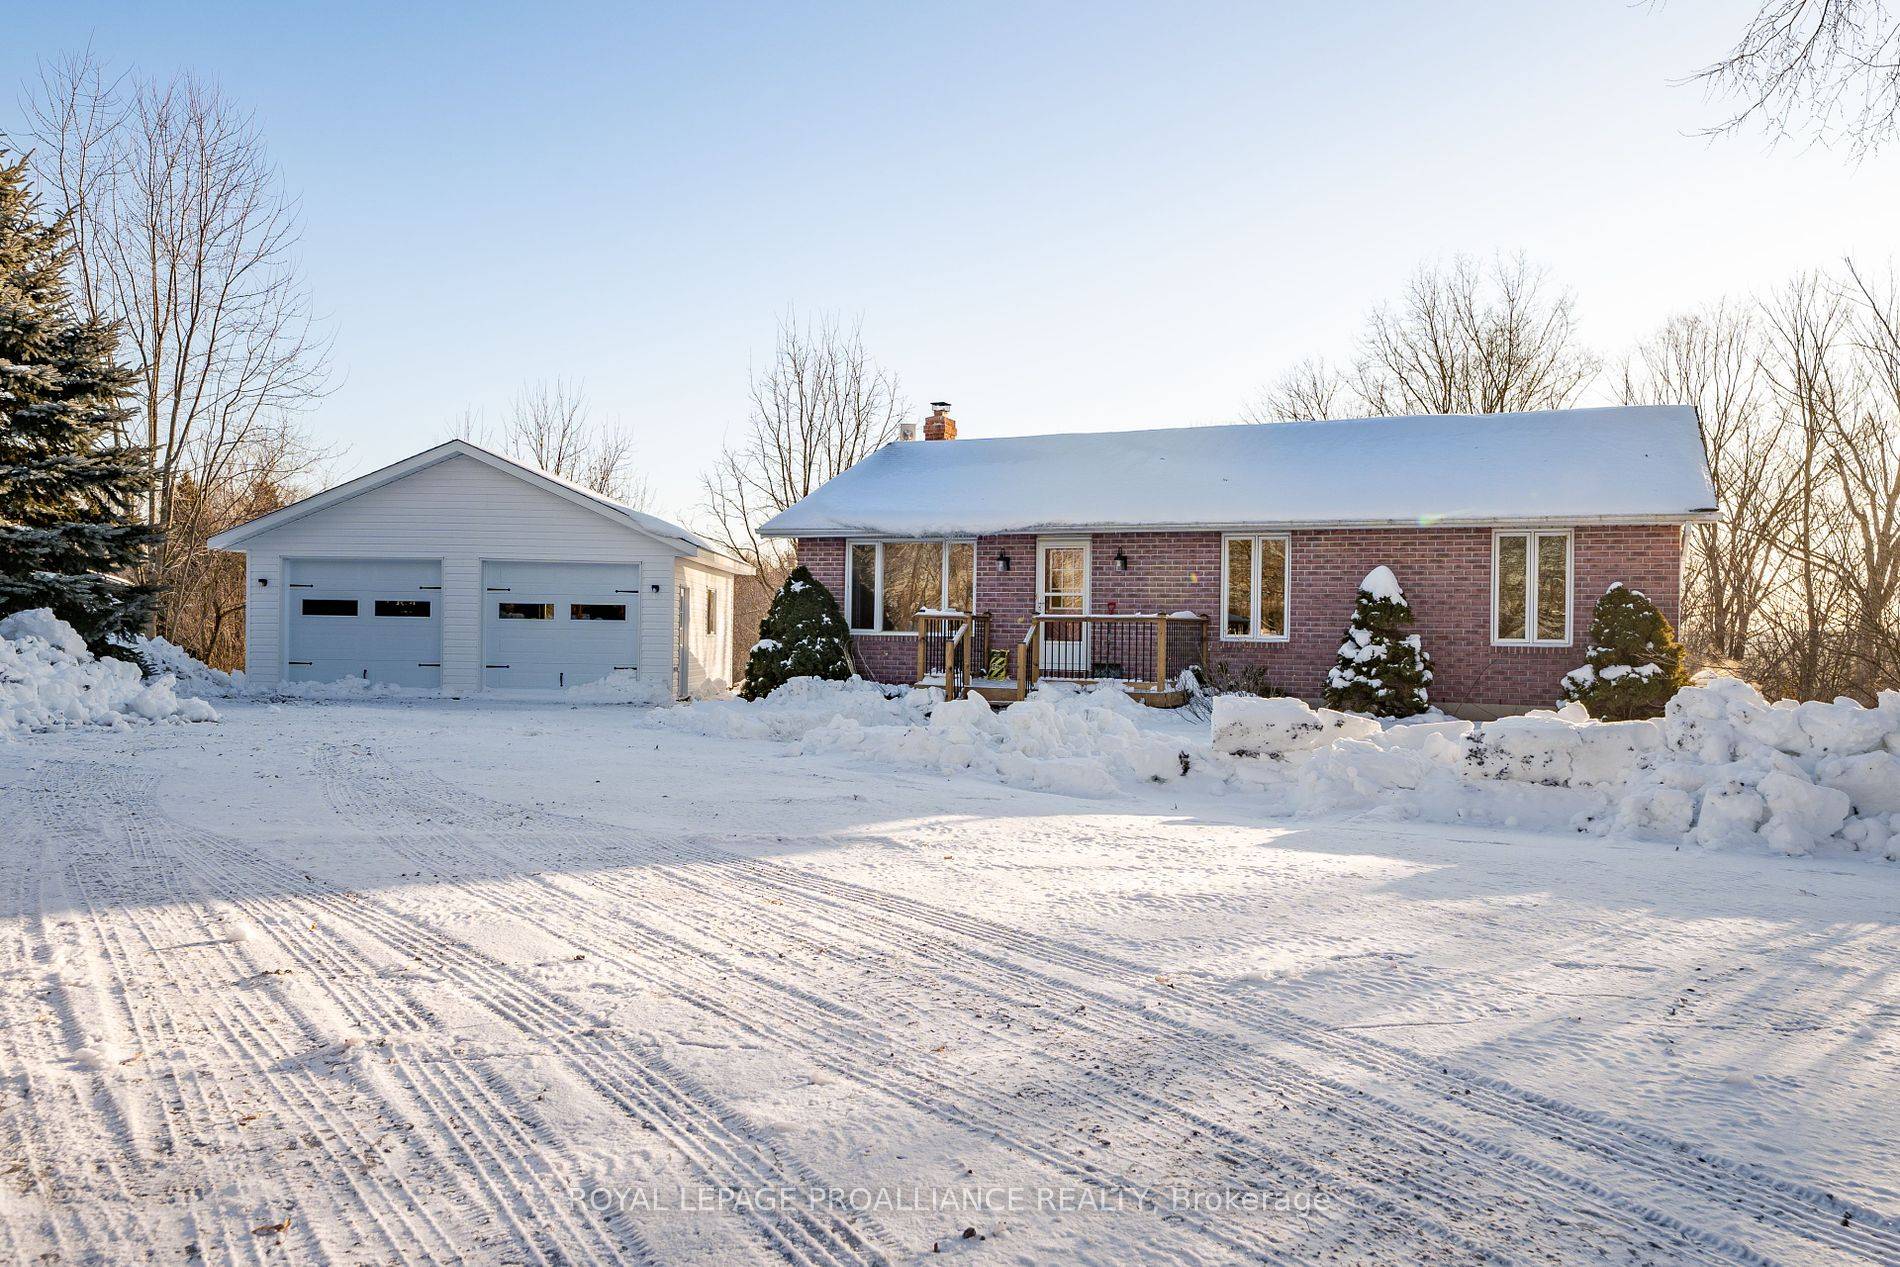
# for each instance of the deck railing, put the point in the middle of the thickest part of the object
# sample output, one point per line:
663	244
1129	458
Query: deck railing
1148	652
952	647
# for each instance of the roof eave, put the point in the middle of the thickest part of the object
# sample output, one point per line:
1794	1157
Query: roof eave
1445	521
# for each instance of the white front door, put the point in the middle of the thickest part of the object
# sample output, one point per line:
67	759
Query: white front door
1062	586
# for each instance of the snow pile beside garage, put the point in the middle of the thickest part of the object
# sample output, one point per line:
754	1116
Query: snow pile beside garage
622	686
50	681
193	676
800	706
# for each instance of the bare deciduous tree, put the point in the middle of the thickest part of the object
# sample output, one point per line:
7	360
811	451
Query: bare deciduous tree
1830	68
1464	338
822	406
551	425
186	239
1470	338
1713	360
1310	390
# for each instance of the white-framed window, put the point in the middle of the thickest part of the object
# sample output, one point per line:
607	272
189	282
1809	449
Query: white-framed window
1530	588
888	582
1256	578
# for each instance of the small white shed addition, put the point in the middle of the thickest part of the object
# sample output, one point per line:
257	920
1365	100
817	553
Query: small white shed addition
463	570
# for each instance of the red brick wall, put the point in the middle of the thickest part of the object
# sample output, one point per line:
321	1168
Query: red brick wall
1446	574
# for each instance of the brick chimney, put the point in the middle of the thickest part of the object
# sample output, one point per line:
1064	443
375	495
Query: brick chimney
940	425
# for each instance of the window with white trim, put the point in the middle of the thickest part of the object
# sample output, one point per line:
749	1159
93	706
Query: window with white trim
1256	577
1530	589
889	582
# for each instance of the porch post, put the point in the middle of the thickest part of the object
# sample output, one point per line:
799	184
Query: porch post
920	650
1161	653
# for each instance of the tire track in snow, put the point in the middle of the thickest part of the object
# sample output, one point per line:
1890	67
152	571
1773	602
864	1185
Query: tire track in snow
1771	1202
725	1148
497	1151
248	1033
1523	1196
872	1066
72	1221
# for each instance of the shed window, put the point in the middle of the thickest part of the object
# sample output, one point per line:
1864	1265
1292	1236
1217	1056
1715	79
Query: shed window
597	611
712	612
1256	579
891	581
527	611
402	607
329	607
1530	588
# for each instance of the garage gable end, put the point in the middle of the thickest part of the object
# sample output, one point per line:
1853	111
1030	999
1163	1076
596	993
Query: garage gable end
430	483
448	506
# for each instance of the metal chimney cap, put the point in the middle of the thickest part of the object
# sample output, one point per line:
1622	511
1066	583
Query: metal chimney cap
940	405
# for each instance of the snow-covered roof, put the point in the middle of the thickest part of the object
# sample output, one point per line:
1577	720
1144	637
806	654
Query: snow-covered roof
1628	464
683	540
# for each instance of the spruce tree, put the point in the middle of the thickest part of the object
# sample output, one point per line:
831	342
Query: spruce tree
1382	670
1634	663
803	635
71	537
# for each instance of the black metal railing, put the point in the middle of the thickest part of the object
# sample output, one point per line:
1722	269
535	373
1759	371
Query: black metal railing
1143	650
952	640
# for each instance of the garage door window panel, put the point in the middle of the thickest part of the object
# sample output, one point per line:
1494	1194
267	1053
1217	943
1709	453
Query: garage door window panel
526	611
329	607
597	611
403	608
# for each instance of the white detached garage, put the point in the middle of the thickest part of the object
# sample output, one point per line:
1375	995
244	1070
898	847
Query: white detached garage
464	570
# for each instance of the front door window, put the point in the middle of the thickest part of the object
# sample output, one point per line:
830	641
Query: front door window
1064	588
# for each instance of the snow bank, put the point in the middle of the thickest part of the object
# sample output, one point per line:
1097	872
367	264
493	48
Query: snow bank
49	681
1247	726
198	680
194	677
622	686
801	705
1723	768
1059	740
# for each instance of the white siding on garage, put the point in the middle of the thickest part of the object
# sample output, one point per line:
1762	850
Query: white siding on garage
461	512
706	637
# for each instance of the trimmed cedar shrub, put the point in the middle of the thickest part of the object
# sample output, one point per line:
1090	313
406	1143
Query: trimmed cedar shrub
1634	663
1382	670
803	635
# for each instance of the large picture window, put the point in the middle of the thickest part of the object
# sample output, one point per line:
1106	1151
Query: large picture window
1255	579
1530	588
891	581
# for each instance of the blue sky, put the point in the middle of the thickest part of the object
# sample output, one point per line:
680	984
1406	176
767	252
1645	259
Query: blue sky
1058	217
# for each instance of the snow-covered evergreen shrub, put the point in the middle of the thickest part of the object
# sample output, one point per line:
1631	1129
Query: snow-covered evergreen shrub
1382	670
802	635
1634	663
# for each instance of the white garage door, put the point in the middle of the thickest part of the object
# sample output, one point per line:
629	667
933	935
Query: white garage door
378	619
550	625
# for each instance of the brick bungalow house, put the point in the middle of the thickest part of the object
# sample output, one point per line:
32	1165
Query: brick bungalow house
1129	555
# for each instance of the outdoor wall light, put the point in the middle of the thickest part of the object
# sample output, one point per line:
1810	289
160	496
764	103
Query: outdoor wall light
263	581
1002	560
1121	561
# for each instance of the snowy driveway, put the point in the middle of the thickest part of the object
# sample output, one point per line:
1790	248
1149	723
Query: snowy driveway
496	983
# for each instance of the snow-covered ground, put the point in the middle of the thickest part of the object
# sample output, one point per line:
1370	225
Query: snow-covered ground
457	981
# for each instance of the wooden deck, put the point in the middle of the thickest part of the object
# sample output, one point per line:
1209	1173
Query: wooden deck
1143	654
